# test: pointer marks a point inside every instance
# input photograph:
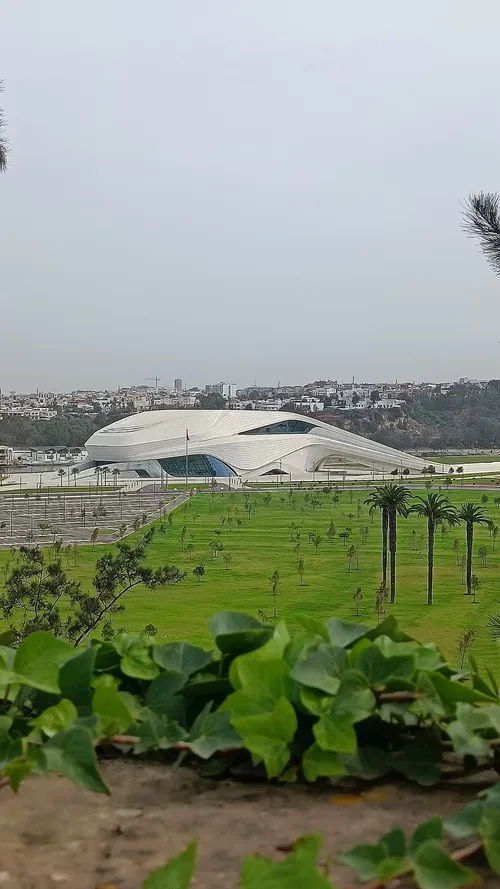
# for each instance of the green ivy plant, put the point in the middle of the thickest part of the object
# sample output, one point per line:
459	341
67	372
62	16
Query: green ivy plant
332	700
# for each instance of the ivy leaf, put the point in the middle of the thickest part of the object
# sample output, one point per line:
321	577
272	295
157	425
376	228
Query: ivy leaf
430	704
176	874
429	830
71	753
492	714
272	650
313	626
367	763
344	634
263	683
7	637
267	737
236	632
181	656
466	822
10	747
365	859
428	657
389	627
391	867
298	871
136	660
378	669
107	657
5	725
113	710
38	660
354	697
211	732
419	760
489	829
465	741
17	770
315	702
75	677
208	686
162	689
335	733
158	733
56	719
452	691
322	668
395	843
318	763
434	869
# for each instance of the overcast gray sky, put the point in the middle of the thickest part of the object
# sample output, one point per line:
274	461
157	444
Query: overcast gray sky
246	190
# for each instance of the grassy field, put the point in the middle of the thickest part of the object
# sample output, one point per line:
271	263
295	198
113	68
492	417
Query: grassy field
463	458
262	544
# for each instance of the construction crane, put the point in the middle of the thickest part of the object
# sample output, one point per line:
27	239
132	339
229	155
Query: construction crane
156	380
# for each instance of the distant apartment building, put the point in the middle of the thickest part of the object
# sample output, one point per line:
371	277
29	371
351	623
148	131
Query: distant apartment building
30	413
227	390
178	384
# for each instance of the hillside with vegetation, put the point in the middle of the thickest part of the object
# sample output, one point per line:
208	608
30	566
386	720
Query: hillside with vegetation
468	416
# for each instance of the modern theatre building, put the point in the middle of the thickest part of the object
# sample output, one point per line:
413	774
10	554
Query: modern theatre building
243	444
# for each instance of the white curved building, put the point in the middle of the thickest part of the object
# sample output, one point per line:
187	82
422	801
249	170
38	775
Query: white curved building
246	444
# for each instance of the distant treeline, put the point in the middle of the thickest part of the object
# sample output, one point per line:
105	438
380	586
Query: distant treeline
62	431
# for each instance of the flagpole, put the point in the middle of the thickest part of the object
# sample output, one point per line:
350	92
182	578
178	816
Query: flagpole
187	440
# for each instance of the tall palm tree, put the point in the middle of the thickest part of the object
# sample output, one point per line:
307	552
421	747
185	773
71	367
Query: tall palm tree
61	473
397	497
471	514
376	500
435	508
3	141
392	500
116	473
75	472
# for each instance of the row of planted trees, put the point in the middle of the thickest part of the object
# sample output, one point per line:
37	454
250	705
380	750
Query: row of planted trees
395	500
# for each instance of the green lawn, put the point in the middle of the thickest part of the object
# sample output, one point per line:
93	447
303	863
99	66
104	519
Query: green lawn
263	544
463	458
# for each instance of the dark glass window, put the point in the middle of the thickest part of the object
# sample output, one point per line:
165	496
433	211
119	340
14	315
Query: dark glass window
199	465
286	427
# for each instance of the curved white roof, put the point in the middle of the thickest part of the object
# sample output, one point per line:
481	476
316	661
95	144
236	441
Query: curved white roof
154	435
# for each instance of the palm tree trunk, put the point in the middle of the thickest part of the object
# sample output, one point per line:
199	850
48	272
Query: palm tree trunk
468	566
392	552
385	524
431	529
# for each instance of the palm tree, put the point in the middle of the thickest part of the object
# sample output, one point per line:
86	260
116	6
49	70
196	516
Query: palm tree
61	473
116	473
3	140
435	508
482	222
392	501
471	514
377	501
74	473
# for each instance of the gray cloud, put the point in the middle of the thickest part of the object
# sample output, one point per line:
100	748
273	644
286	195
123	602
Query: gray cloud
246	189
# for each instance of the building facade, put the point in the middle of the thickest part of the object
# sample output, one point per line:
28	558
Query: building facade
246	444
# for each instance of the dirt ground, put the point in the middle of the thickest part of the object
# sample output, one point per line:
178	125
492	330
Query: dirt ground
53	834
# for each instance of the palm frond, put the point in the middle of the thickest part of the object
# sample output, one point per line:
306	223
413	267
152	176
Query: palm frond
481	221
